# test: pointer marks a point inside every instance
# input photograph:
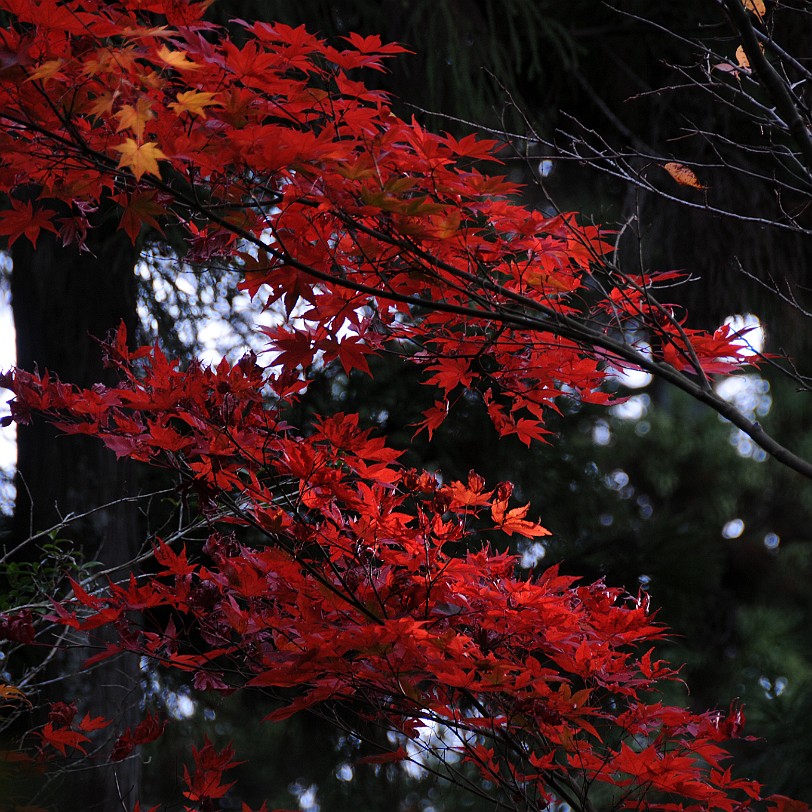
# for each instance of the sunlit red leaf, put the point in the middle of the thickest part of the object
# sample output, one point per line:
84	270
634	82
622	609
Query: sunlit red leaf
63	739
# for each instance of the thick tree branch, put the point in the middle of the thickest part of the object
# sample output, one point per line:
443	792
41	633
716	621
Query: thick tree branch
775	85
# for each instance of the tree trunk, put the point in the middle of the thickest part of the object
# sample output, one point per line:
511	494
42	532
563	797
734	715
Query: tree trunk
62	299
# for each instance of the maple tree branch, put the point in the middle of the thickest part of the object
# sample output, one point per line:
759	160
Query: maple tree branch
348	596
784	55
73	517
354	594
566	327
585	144
775	85
557	324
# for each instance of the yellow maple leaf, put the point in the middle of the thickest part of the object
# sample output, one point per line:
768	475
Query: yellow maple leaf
193	102
101	105
177	59
141	158
47	70
135	118
683	175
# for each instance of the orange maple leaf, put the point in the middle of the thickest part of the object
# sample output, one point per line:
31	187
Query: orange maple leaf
141	158
194	102
135	118
101	105
513	521
741	58
47	70
176	59
10	694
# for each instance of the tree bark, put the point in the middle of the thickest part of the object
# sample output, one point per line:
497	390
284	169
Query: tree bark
63	299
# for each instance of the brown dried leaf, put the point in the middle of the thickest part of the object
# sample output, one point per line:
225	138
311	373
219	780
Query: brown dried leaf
10	694
683	175
741	58
756	6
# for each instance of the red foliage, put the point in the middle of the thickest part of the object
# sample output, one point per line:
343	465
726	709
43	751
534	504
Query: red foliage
353	598
205	783
362	232
269	155
146	731
18	627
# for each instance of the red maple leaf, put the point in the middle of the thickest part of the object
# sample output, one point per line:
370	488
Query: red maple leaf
22	219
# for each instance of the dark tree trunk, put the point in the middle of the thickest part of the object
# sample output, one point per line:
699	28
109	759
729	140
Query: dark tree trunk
62	299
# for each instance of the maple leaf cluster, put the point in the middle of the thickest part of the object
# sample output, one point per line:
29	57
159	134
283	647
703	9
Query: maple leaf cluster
351	592
62	732
365	229
330	573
